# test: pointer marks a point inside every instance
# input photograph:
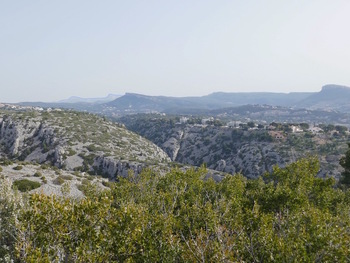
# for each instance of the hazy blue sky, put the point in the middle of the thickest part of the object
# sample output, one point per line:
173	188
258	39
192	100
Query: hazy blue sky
50	50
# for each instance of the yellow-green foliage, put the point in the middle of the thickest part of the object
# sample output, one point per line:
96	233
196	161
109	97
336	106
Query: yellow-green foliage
288	216
10	207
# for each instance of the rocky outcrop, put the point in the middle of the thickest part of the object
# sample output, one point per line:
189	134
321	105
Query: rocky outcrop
114	168
20	138
75	141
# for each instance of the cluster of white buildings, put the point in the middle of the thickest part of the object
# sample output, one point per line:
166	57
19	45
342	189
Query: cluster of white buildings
25	108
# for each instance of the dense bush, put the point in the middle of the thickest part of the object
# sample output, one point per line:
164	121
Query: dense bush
6	162
37	174
18	167
59	180
25	185
288	216
10	207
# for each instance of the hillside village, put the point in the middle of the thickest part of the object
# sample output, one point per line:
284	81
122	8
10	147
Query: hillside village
275	130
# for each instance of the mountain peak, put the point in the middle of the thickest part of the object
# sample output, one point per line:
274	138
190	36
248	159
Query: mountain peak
332	87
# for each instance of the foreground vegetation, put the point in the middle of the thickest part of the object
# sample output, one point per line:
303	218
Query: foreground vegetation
287	216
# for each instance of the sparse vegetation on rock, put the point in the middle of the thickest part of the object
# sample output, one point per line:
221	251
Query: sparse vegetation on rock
73	140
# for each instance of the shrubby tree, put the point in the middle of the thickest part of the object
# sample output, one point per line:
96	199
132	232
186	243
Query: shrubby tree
345	163
289	215
10	206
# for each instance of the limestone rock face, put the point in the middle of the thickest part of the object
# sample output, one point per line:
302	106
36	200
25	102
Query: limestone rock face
114	168
221	165
75	141
172	147
19	138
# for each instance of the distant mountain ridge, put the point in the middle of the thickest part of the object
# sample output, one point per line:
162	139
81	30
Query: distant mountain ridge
331	97
75	99
139	102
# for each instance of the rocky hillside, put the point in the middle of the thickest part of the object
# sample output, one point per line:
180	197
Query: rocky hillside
233	150
32	177
75	141
331	97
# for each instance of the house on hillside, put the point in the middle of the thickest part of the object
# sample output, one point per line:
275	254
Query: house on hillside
315	130
296	129
183	120
204	121
276	135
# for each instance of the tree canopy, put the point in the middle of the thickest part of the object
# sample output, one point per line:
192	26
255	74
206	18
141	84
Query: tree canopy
345	163
289	215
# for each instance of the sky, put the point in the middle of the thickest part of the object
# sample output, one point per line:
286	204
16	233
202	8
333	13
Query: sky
51	50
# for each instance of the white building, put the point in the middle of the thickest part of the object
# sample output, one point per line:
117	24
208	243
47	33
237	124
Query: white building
296	129
315	130
183	120
204	121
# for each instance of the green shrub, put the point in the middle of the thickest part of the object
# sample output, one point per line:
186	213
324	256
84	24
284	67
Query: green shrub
59	180
71	152
18	167
0	169
90	178
6	162
107	184
25	185
77	174
85	182
93	148
67	177
45	166
38	174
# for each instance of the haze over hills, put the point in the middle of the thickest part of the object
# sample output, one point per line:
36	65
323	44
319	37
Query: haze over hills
142	103
75	99
330	105
331	97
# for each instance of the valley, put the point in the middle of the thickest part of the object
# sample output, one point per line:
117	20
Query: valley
246	148
217	184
